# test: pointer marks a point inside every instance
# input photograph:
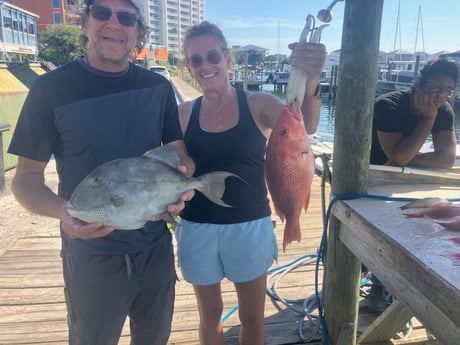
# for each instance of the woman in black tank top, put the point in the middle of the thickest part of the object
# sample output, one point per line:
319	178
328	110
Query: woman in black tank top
226	130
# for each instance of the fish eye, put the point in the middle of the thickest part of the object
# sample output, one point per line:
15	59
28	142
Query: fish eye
116	201
284	132
96	178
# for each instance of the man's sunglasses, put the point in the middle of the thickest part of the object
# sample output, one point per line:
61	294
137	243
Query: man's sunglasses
103	14
213	57
435	87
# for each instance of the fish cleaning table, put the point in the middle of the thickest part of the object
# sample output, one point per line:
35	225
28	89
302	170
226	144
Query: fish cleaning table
408	256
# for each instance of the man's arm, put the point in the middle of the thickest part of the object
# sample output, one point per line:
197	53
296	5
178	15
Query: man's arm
30	190
28	186
399	150
443	156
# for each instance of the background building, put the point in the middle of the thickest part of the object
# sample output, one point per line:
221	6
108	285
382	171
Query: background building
18	32
50	11
169	19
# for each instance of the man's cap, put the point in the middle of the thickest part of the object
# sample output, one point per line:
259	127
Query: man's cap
139	4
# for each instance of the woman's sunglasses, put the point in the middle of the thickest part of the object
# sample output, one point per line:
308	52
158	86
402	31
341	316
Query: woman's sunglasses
213	57
103	14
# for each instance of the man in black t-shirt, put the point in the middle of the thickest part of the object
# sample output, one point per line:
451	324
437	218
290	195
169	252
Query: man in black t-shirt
404	119
402	122
85	113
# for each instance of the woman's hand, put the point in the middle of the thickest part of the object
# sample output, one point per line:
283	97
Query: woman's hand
308	57
176	208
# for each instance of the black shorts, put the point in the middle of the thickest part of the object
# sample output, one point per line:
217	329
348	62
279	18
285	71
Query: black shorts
102	290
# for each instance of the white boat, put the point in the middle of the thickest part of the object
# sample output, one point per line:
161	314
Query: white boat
396	79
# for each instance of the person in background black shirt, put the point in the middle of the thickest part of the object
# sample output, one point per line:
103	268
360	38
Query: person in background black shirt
404	119
402	122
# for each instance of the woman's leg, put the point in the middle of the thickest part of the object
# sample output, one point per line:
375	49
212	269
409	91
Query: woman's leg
251	300
210	307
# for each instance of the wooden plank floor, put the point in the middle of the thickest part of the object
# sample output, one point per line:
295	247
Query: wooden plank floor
32	307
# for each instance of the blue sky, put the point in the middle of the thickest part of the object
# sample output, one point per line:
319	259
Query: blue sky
272	24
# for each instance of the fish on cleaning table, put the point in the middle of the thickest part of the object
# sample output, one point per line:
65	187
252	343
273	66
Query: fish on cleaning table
456	240
423	203
455	257
289	170
452	223
126	193
439	210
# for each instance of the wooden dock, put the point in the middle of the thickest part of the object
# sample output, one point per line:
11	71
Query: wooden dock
32	307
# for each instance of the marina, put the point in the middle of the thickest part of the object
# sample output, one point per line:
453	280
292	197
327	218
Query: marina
315	287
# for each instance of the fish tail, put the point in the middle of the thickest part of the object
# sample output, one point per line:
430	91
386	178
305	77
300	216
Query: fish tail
212	185
291	233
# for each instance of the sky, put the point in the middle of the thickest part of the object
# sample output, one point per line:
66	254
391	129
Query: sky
273	24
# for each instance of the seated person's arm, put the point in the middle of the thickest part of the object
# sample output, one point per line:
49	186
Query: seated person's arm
443	156
404	151
399	150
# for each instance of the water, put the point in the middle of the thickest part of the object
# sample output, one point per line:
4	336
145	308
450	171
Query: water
327	116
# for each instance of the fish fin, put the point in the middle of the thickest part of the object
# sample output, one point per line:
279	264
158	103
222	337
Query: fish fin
280	214
291	233
307	202
169	218
423	203
213	186
166	154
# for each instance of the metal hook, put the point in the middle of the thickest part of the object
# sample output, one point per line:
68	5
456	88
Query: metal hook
325	15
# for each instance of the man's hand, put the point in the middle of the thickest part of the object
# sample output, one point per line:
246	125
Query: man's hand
424	103
77	228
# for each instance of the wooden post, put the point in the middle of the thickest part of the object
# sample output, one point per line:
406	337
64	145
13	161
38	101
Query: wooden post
352	140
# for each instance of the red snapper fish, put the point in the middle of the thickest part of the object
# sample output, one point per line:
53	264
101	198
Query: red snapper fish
439	210
456	240
455	257
444	213
289	170
452	223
